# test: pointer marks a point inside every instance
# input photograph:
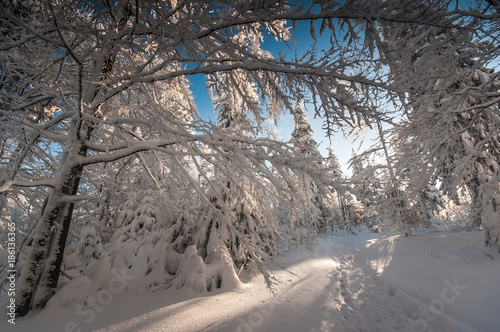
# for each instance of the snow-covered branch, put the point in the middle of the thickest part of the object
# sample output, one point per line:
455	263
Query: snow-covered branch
52	183
127	151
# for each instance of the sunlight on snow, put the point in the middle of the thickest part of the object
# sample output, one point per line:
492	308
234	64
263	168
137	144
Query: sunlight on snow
386	248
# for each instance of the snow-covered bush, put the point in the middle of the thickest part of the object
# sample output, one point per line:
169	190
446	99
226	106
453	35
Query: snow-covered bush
88	248
143	220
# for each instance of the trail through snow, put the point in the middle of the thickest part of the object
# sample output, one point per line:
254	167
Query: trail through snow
350	283
331	288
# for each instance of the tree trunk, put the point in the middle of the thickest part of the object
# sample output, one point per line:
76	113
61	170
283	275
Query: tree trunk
476	204
490	216
40	275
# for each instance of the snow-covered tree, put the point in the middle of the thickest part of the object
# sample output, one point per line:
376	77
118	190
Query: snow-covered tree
89	248
430	202
235	218
333	201
306	149
451	129
366	182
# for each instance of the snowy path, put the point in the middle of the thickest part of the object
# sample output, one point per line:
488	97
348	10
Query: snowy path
328	288
352	283
333	289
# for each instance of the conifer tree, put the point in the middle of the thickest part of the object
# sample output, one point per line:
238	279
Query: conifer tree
307	151
333	168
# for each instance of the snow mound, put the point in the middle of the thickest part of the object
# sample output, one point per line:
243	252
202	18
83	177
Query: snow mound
72	294
99	272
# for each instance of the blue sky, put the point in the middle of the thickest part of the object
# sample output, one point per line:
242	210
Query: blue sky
341	145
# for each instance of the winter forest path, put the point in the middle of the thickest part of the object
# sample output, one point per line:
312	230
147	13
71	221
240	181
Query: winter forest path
332	288
367	283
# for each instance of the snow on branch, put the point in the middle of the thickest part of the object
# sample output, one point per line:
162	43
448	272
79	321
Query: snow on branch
52	183
130	150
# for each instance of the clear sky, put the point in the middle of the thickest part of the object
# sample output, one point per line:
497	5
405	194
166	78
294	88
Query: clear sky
342	146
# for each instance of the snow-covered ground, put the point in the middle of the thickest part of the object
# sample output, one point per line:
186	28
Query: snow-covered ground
433	281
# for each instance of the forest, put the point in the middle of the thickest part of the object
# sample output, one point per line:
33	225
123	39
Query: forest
107	163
